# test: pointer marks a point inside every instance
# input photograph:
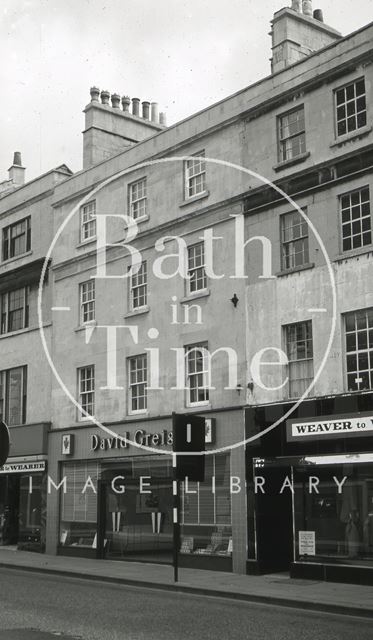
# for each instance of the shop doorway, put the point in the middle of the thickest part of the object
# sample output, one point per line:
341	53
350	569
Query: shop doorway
133	525
22	511
274	521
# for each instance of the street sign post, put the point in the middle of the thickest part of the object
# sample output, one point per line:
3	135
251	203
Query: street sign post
4	443
189	436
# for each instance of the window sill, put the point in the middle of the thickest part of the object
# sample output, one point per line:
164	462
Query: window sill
359	133
354	253
199	196
198	405
138	414
137	312
21	255
289	163
88	242
88	325
140	220
288	272
18	332
195	296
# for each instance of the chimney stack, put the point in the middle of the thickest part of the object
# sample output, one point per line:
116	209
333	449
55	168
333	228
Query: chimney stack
17	171
298	32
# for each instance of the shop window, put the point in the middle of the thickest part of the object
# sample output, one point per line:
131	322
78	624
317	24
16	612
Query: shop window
206	511
195	176
13	392
197	374
351	108
78	526
333	526
138	199
14	309
294	240
86	383
197	280
139	288
87	301
291	134
138	377
359	349
88	221
17	239
299	350
356	219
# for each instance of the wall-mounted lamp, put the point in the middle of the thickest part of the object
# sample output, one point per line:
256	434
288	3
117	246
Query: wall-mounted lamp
234	300
250	386
239	388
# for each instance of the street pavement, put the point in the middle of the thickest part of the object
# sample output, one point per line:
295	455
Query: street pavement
42	607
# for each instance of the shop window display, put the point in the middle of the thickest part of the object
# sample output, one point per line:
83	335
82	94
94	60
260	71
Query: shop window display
79	510
341	524
206	511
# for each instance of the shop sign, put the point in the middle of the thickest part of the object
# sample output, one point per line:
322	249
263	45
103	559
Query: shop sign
307	543
331	427
142	437
20	467
67	444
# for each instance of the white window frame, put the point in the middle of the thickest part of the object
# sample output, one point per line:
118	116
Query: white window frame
88	230
195	176
363	335
5	395
292	234
141	362
195	269
139	288
86	391
286	152
87	305
8	238
137	199
192	375
5	310
297	360
340	106
351	221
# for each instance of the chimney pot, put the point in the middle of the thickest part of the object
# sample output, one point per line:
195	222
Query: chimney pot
126	101
17	171
307	7
318	15
95	94
17	161
146	110
296	5
136	107
162	119
105	97
115	100
155	114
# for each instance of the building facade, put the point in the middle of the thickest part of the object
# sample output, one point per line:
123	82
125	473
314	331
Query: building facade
25	383
220	267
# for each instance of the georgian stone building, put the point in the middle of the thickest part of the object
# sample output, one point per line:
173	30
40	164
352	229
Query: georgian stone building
250	304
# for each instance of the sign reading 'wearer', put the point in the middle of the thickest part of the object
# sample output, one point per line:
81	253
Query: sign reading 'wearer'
331	427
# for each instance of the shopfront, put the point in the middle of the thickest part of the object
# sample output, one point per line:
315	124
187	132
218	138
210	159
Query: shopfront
311	482
23	490
116	500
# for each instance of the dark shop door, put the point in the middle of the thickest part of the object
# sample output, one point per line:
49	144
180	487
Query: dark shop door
274	526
